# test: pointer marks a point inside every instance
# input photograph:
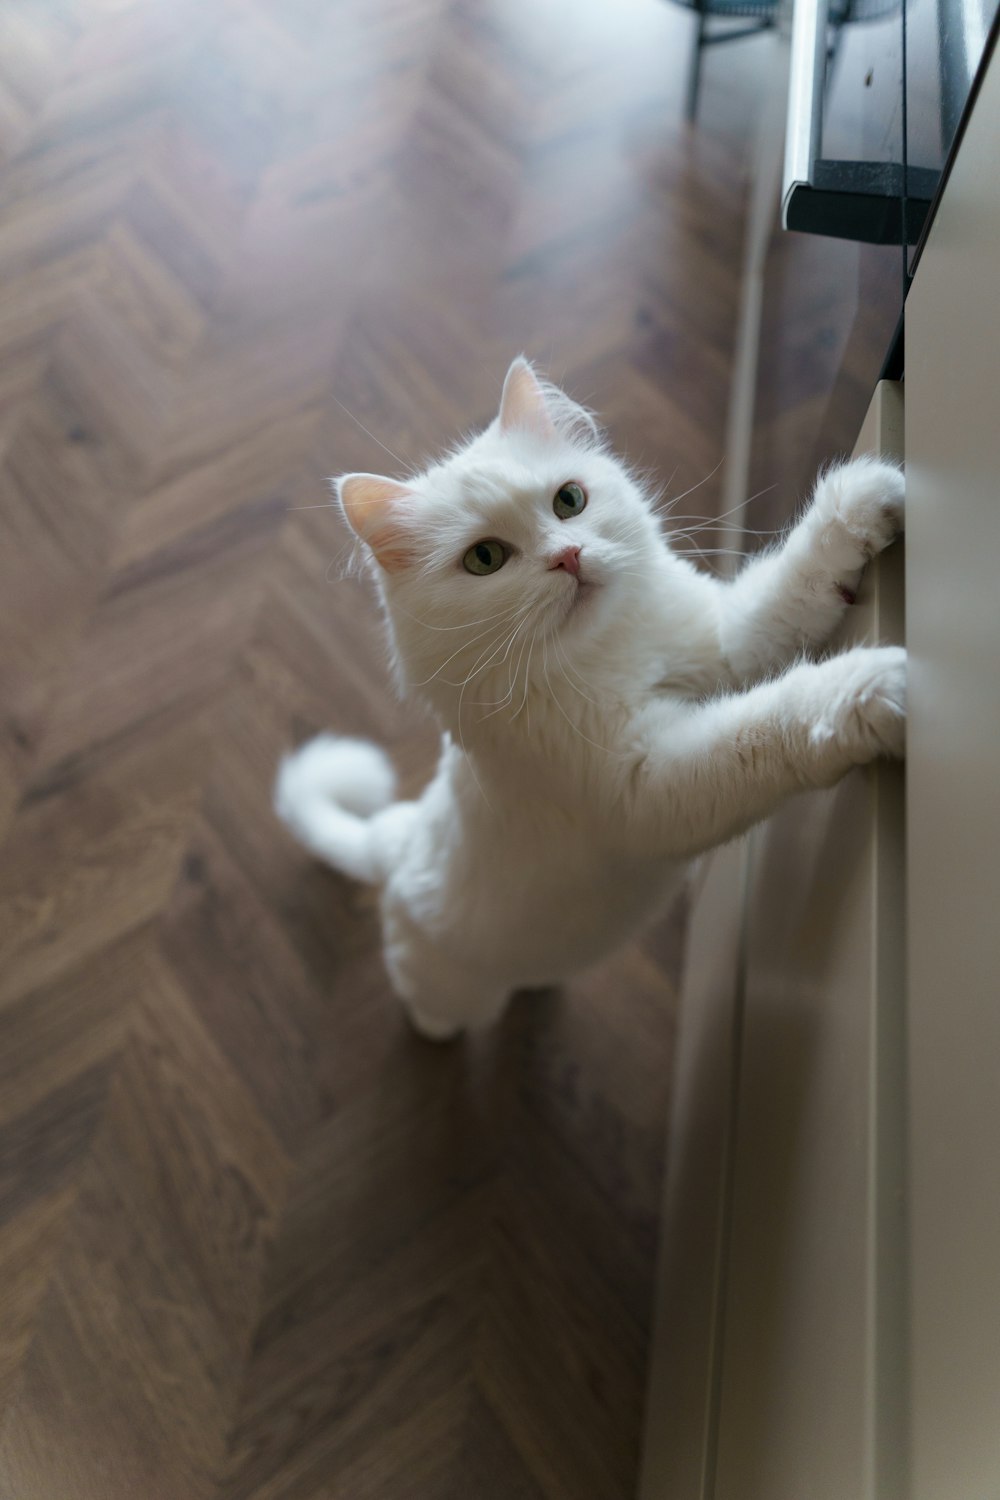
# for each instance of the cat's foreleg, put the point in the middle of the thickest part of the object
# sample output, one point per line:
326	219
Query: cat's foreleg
791	598
712	770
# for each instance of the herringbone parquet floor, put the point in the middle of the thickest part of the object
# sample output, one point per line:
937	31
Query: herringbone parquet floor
258	1242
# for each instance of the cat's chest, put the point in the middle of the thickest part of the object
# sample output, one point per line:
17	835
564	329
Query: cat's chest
532	886
549	863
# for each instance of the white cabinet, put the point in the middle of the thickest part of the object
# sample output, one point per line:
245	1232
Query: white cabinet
829	1302
953	828
817	1125
782	1138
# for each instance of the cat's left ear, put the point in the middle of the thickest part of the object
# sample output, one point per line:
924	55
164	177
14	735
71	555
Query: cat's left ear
378	511
544	410
522	405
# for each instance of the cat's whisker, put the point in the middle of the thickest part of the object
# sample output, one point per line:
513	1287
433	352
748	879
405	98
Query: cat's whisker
468	758
463	647
461	733
711	552
364	429
517	668
684	493
494	708
495	704
493	645
500	703
525	612
526	645
569	682
465	624
637	527
335	562
527	673
632	573
567	667
708	521
716	524
497	644
575	727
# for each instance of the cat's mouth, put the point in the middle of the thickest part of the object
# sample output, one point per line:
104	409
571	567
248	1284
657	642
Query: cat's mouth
578	596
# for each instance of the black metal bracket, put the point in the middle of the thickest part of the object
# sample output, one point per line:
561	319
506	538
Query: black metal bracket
874	202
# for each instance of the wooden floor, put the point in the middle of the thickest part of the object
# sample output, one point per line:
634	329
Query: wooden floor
257	1241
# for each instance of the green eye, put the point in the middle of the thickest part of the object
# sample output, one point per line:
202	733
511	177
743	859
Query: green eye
485	557
569	501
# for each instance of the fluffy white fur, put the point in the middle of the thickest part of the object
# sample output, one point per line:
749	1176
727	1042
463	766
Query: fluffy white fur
600	727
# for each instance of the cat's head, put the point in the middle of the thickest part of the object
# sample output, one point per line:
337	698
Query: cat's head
530	532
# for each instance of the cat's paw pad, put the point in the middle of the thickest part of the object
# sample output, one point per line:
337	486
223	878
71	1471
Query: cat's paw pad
862	506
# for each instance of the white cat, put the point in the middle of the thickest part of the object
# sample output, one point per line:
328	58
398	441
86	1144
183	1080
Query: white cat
609	711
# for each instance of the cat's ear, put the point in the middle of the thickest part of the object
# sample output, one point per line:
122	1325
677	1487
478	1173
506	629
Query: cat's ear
377	511
529	406
522	406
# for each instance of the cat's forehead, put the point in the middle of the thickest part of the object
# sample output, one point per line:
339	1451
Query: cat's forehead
485	485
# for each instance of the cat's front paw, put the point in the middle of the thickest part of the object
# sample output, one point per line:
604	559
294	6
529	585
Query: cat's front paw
860	509
865	714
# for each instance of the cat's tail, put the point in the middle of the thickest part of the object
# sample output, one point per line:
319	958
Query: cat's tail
326	793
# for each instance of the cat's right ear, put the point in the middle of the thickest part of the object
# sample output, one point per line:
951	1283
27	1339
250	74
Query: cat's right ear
377	510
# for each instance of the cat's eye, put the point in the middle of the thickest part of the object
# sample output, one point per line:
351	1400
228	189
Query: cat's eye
485	557
569	500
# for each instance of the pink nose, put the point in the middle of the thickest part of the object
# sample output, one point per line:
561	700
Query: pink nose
568	558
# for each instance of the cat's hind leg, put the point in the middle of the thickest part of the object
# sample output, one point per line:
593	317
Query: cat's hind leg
792	597
442	998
